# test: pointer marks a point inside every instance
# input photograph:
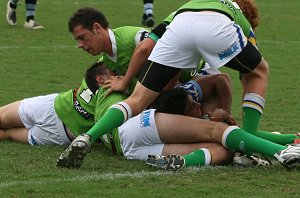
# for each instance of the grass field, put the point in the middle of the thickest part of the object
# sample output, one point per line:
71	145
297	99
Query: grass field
41	62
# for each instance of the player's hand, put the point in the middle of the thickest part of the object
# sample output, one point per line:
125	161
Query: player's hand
114	83
220	115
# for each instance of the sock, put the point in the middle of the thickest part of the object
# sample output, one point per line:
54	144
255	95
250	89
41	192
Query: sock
113	118
13	4
30	11
200	157
239	140
282	139
148	7
253	106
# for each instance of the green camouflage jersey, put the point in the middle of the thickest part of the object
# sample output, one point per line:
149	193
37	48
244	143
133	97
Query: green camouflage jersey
103	104
124	40
76	109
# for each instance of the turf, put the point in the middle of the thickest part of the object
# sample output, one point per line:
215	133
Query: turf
41	62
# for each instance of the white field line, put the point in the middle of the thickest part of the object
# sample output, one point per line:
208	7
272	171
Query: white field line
90	177
93	176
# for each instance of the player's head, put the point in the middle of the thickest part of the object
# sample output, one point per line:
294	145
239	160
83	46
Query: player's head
96	75
177	101
90	29
87	17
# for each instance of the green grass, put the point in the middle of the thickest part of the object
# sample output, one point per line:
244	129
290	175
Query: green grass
41	62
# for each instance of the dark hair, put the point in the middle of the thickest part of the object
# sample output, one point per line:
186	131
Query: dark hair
97	68
171	101
87	17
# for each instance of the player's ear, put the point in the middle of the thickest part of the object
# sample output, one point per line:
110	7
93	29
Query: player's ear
99	79
96	28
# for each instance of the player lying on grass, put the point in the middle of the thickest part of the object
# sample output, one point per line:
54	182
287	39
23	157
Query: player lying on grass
205	89
201	142
50	119
59	118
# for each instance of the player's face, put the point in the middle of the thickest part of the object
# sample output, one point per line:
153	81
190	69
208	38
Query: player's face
192	108
89	41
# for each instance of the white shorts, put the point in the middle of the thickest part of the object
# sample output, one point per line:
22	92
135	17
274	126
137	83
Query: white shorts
192	36
39	117
139	137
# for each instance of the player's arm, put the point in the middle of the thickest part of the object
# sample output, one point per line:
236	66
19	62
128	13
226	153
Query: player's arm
142	52
138	59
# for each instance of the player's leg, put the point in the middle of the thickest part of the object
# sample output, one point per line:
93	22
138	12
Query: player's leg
11	15
195	154
181	129
282	139
239	140
9	116
18	134
30	22
139	137
11	126
254	76
148	19
178	156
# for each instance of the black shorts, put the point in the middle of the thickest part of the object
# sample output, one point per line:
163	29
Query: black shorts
246	60
155	76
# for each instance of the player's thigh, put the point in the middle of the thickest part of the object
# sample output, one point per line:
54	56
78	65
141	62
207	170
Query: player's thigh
9	116
184	129
18	134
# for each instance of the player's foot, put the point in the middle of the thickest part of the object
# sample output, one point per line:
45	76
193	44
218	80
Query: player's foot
74	155
290	156
31	24
11	15
148	20
169	162
241	159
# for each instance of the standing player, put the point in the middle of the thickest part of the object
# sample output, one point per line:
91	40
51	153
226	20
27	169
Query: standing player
30	23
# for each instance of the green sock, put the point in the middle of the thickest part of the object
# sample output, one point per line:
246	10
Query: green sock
251	118
239	140
112	119
282	139
197	158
